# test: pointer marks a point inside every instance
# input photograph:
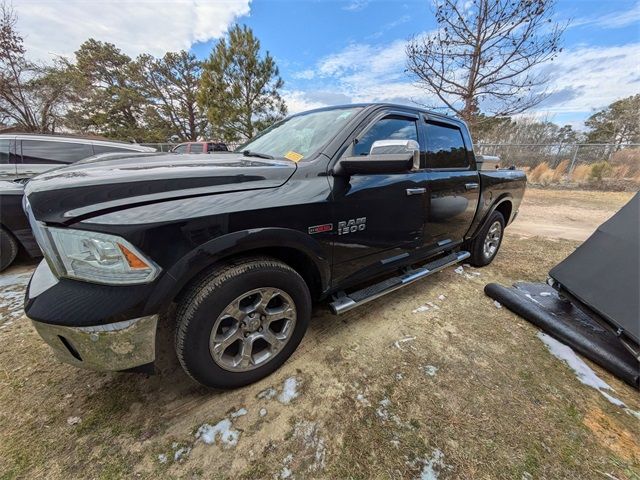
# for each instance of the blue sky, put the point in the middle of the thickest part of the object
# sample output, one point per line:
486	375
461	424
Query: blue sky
341	51
305	36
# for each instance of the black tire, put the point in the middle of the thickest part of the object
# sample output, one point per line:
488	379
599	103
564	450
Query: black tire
8	249
208	298
479	257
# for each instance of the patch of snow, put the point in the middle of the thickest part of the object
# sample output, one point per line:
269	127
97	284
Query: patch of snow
430	370
181	453
289	391
309	434
267	394
360	398
497	304
263	412
528	295
399	376
403	340
15	279
239	413
433	305
477	274
583	371
459	270
162	458
420	309
222	431
73	421
382	411
545	294
633	413
285	473
441	297
432	466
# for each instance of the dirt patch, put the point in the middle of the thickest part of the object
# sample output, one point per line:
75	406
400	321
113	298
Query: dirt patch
613	435
462	389
572	215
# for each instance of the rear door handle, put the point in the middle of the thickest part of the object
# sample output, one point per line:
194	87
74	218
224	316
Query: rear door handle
416	191
471	186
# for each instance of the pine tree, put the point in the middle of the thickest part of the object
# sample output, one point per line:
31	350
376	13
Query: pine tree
239	90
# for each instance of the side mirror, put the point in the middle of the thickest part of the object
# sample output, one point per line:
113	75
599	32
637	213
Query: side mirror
385	156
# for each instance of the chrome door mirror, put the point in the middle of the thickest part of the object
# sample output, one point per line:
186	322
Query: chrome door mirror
397	147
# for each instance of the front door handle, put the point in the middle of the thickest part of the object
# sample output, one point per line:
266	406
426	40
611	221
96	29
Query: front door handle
471	186
416	191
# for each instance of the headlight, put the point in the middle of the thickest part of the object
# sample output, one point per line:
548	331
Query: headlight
96	257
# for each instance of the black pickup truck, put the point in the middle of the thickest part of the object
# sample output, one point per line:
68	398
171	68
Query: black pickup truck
342	204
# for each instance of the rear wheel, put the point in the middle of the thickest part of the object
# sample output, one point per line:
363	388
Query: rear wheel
487	243
8	249
242	322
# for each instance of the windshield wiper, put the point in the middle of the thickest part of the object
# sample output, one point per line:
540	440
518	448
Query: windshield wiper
249	153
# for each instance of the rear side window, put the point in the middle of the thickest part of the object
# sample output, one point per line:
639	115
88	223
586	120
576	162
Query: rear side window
196	148
445	147
108	148
37	151
386	129
5	145
217	147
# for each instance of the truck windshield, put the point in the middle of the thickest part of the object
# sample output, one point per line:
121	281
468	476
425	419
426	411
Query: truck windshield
300	136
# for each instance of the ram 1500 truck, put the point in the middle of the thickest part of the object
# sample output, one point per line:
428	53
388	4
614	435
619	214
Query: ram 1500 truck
341	204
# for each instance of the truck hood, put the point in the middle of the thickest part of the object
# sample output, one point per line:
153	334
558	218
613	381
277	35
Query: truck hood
93	187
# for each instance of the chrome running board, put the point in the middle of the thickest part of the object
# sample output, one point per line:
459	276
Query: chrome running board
346	302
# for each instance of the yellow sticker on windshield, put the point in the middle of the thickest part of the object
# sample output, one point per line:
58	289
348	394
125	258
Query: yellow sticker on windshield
293	156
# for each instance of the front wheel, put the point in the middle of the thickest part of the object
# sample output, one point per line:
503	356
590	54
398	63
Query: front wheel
242	322
8	249
487	243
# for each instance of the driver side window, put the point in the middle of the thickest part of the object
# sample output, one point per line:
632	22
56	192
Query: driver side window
390	128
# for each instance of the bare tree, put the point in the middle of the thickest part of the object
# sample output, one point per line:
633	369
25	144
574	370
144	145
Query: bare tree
31	95
484	53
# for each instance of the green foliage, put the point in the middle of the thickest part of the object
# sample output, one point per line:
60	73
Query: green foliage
171	84
106	98
599	171
619	123
239	90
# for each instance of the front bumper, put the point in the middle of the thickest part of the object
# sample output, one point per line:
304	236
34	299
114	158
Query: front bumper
116	346
92	326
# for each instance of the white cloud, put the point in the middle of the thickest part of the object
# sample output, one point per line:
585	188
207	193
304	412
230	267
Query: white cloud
355	5
591	78
612	20
305	75
58	27
582	78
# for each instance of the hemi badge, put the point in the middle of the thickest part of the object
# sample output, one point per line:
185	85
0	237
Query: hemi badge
327	227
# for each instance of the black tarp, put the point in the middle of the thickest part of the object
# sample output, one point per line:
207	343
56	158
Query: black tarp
604	272
541	305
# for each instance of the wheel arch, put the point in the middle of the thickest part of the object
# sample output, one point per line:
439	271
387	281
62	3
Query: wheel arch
302	253
504	205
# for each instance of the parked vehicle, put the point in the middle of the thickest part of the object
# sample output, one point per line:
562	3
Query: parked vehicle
15	232
25	155
313	208
200	147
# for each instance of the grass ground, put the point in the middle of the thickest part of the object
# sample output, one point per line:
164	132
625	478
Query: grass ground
463	389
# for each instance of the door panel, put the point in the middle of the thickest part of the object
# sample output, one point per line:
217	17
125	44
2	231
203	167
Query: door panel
378	218
452	206
454	184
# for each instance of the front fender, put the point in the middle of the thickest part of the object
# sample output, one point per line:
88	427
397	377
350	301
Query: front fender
233	244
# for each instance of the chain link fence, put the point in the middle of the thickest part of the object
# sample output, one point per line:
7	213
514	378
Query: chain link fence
600	165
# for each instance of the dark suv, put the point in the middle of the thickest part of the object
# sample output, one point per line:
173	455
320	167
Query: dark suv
25	155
